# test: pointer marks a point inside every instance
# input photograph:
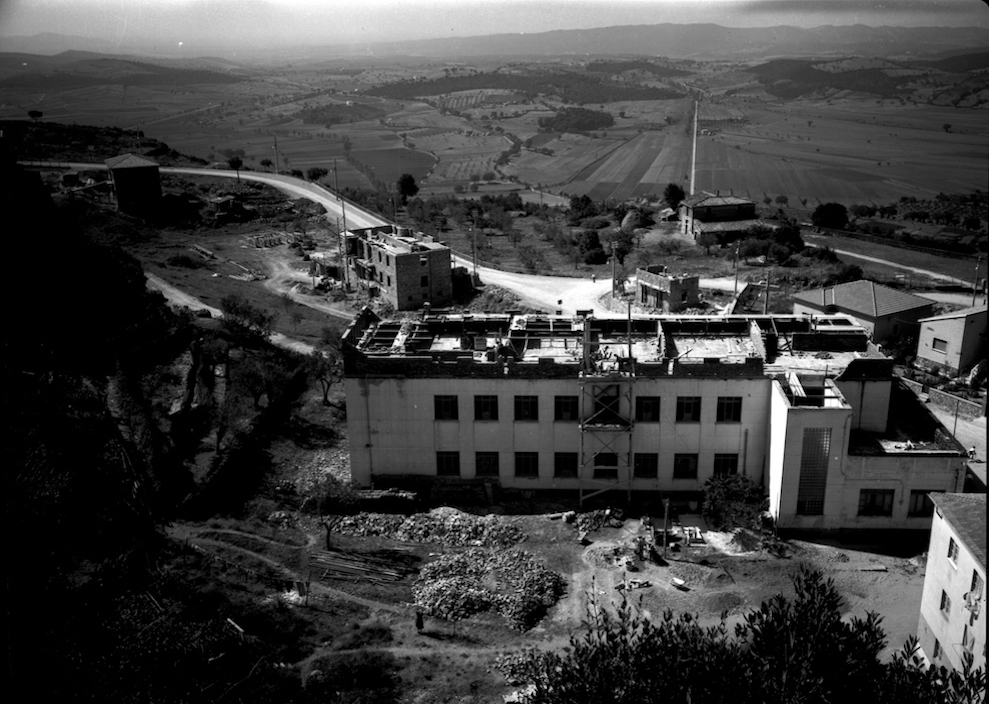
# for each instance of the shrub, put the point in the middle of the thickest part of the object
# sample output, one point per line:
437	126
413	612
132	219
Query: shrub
732	501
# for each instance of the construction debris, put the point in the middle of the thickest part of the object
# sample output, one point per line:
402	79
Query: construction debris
446	526
511	582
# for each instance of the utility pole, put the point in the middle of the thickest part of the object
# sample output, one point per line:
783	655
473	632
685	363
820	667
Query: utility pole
975	283
765	304
666	525
275	137
473	241
343	207
614	270
737	245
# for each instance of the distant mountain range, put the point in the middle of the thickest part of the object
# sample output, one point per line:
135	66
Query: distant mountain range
691	41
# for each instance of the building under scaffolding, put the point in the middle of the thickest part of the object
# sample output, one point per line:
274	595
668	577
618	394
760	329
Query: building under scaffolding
803	405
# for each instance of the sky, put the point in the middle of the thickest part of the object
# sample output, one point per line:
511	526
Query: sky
199	24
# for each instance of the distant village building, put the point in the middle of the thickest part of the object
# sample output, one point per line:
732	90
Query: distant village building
728	217
136	183
407	271
883	311
953	606
665	292
647	406
953	342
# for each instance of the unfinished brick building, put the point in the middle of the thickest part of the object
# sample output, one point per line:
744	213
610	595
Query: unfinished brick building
407	271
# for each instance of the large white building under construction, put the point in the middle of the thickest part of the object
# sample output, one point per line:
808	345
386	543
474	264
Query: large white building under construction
650	407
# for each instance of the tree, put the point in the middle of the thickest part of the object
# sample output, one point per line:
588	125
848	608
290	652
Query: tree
707	240
35	114
782	200
788	650
674	195
947	126
325	364
235	162
314	173
265	163
407	187
581	208
732	501
589	245
243	321
830	215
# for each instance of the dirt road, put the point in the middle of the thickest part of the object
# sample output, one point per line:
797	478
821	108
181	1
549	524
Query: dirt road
178	297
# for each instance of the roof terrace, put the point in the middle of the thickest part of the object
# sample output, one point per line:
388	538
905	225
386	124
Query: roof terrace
652	345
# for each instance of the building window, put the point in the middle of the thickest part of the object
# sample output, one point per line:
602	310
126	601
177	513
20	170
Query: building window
526	464
876	502
937	649
945	604
977	584
688	409
526	408
448	464
565	464
814	455
725	464
685	466
606	465
424	281
939	345
389	281
729	409
920	504
645	465
565	408
647	409
486	464
952	550
446	407
485	408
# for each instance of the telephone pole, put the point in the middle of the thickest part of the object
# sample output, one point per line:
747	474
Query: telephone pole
975	283
343	232
275	137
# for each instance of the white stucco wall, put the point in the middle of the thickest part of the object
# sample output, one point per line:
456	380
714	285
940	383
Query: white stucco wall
954	579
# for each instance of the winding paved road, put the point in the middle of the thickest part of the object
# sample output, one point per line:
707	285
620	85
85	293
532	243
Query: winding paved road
535	290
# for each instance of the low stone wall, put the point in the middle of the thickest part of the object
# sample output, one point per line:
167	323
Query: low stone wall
949	402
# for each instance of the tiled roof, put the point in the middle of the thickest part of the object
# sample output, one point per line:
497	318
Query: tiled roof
734	225
710	201
963	313
865	297
967	515
128	161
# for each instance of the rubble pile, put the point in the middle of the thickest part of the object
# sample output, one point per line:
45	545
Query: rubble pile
510	582
446	526
593	520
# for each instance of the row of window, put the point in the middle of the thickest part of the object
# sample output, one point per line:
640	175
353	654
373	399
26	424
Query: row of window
974	593
645	465
567	408
879	502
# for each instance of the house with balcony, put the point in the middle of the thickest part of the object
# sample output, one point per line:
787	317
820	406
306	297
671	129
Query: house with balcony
952	622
